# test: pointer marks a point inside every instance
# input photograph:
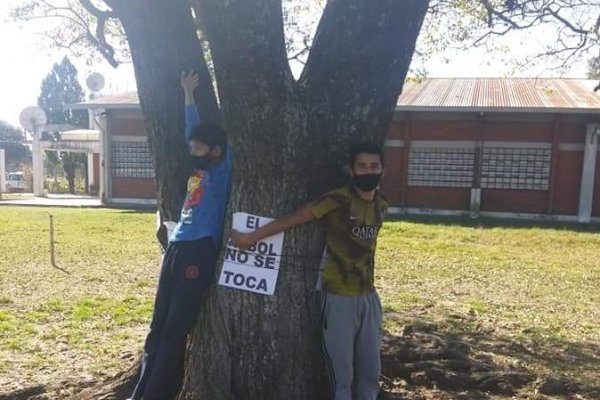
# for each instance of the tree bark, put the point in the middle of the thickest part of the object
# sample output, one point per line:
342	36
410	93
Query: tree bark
249	346
289	140
355	72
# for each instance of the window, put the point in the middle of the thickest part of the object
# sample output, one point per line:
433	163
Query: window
442	167
131	160
515	168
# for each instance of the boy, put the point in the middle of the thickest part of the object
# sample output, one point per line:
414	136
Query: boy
351	310
189	262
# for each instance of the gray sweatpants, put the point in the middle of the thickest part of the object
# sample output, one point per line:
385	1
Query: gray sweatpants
351	344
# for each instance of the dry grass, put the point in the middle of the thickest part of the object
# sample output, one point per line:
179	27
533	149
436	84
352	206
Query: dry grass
522	297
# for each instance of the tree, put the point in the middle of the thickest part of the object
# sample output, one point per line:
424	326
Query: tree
61	87
69	26
289	138
594	68
12	140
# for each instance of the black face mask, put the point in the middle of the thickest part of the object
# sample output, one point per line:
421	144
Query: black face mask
201	162
367	182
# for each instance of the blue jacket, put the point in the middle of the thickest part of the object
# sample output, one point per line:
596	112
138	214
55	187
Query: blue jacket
203	211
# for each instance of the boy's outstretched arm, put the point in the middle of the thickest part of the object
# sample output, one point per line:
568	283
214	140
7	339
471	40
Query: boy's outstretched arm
245	240
189	83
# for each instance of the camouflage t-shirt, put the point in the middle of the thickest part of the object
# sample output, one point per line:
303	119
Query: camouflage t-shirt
351	227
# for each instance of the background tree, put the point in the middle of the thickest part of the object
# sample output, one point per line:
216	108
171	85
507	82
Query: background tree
61	87
70	27
558	32
13	141
594	68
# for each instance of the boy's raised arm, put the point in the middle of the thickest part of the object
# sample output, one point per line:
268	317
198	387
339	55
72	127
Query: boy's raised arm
189	83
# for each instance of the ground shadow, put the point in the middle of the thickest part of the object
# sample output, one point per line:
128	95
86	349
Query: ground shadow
425	362
23	394
431	360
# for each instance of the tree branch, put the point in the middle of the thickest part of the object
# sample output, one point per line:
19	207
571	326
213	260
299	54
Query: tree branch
251	33
247	45
574	21
374	42
96	12
99	40
556	15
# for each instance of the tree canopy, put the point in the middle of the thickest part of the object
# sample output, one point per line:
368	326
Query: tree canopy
13	141
570	29
61	87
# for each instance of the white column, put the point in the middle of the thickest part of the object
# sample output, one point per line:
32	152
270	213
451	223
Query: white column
90	169
101	125
38	163
586	194
2	172
475	202
90	156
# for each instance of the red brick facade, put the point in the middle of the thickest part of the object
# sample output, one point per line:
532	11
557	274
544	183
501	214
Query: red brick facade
556	140
559	138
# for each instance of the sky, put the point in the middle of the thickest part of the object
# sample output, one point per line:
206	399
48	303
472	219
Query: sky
27	59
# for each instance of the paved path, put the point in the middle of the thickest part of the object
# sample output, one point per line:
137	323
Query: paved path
53	200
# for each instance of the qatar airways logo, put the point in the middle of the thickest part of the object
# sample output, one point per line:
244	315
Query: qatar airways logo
365	232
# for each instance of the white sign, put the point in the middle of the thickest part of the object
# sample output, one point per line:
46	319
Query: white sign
257	268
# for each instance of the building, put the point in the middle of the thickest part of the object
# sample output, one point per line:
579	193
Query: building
499	147
72	140
126	171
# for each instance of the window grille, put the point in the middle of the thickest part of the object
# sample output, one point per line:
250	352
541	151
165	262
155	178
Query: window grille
131	160
515	168
441	167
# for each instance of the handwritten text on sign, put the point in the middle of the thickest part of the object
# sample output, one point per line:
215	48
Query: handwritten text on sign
255	269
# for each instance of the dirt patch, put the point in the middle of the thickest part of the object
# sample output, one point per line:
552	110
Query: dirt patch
423	363
420	363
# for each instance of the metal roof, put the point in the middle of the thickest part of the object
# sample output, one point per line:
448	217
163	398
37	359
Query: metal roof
541	95
128	100
501	95
82	135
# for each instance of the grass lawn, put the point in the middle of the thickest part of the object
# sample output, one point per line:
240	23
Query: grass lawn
521	298
515	298
84	323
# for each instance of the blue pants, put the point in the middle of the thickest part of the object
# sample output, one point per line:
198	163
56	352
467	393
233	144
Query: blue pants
187	271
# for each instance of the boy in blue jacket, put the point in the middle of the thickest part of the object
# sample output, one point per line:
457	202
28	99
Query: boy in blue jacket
188	265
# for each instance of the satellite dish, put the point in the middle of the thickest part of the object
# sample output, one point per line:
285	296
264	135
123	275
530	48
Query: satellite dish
32	117
95	82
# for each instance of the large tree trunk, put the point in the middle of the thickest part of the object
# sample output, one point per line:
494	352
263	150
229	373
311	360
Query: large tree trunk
248	346
289	140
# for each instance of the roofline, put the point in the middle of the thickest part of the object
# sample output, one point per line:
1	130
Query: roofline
82	130
103	106
539	110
